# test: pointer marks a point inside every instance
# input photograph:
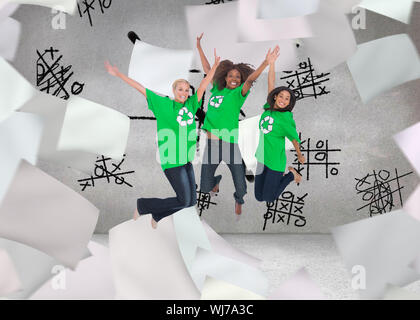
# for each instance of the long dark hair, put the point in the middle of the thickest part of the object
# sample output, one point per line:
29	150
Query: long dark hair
276	91
223	69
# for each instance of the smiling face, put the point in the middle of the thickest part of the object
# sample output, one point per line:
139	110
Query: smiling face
233	79
282	99
181	92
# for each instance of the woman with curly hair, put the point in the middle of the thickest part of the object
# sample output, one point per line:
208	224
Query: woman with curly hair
175	116
276	123
231	85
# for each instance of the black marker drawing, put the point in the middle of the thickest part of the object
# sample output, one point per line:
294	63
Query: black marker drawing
53	78
305	83
321	157
376	189
102	171
217	1
88	6
203	201
286	206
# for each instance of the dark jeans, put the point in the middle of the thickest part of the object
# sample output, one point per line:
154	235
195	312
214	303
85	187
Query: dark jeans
269	184
216	151
183	182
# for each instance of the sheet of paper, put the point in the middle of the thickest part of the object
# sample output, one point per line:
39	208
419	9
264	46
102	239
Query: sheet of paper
94	128
299	286
68	6
397	293
222	34
208	263
33	267
408	141
382	64
384	246
190	234
52	111
15	90
7	9
214	289
16	144
9	278
92	279
147	263
43	213
334	42
252	29
221	247
412	205
399	10
9	38
276	9
157	68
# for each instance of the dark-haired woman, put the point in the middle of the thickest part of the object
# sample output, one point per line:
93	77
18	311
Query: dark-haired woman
276	123
231	85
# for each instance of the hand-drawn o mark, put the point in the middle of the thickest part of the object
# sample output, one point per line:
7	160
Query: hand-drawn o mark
77	87
181	113
334	171
216	101
269	126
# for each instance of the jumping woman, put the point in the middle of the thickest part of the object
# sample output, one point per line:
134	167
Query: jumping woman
276	123
175	116
231	86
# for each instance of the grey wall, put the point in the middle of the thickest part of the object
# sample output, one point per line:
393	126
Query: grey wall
362	132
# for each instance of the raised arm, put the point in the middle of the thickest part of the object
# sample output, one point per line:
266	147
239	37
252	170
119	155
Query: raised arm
272	70
254	76
209	77
204	62
112	70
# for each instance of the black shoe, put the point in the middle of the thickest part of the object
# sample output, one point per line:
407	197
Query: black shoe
250	177
133	37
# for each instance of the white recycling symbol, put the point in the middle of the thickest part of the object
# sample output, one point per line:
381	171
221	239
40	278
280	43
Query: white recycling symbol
270	124
216	101
181	113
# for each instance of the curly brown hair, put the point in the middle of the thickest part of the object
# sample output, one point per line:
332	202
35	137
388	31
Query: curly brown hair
245	69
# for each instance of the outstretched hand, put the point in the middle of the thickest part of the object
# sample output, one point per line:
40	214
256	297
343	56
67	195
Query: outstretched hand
199	39
112	70
216	58
272	56
301	159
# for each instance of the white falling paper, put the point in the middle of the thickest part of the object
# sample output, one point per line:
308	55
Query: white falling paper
275	9
385	246
52	218
33	267
67	6
222	34
92	279
252	29
214	289
408	141
94	128
9	278
396	9
147	263
157	68
16	144
15	90
9	38
299	286
382	64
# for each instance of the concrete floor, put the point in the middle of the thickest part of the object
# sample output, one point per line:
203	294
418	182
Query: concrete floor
282	255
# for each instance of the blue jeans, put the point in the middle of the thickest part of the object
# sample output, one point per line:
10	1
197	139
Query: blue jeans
269	184
182	181
216	151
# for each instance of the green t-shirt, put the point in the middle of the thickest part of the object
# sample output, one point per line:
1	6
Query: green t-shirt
176	128
222	117
274	127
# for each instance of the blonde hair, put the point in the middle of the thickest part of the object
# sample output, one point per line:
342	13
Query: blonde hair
176	82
